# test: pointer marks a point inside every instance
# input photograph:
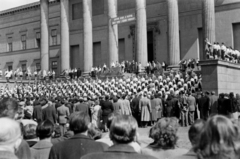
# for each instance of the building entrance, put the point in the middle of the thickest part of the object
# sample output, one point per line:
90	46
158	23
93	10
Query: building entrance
150	46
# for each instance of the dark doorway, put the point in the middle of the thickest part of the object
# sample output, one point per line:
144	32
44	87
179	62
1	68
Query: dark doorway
74	57
150	46
97	55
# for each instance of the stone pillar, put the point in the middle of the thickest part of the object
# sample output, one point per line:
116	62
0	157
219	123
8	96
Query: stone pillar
208	15
112	32
173	32
141	32
65	51
87	36
44	35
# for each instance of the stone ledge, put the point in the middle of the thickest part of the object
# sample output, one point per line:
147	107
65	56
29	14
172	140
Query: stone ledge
220	63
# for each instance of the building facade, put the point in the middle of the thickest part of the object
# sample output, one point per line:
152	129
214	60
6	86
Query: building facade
62	34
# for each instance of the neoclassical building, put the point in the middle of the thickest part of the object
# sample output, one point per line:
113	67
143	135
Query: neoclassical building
63	34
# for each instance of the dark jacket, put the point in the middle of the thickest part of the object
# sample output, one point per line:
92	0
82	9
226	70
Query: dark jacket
120	151
170	106
204	107
49	113
82	107
203	104
225	107
107	108
76	147
135	106
37	113
220	105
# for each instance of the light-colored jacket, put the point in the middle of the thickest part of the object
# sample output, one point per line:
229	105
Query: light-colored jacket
41	150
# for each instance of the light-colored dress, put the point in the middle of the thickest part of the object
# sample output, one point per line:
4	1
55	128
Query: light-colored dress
96	115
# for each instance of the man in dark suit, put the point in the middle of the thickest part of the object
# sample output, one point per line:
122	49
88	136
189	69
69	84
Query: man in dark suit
80	144
204	106
107	108
37	112
135	108
220	104
48	112
123	131
83	106
213	103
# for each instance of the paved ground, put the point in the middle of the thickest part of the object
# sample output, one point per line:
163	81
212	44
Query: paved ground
183	141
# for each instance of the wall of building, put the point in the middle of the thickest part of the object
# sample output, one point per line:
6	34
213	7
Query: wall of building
190	22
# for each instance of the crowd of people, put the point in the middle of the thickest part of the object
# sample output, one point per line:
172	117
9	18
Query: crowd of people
130	67
218	137
221	52
94	118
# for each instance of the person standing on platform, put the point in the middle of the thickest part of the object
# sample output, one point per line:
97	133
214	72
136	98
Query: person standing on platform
15	73
35	75
53	75
7	75
104	68
44	74
223	50
75	73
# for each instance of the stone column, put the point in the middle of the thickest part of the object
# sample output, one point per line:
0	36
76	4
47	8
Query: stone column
209	20
141	32
65	51
44	35
173	32
87	36
112	32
